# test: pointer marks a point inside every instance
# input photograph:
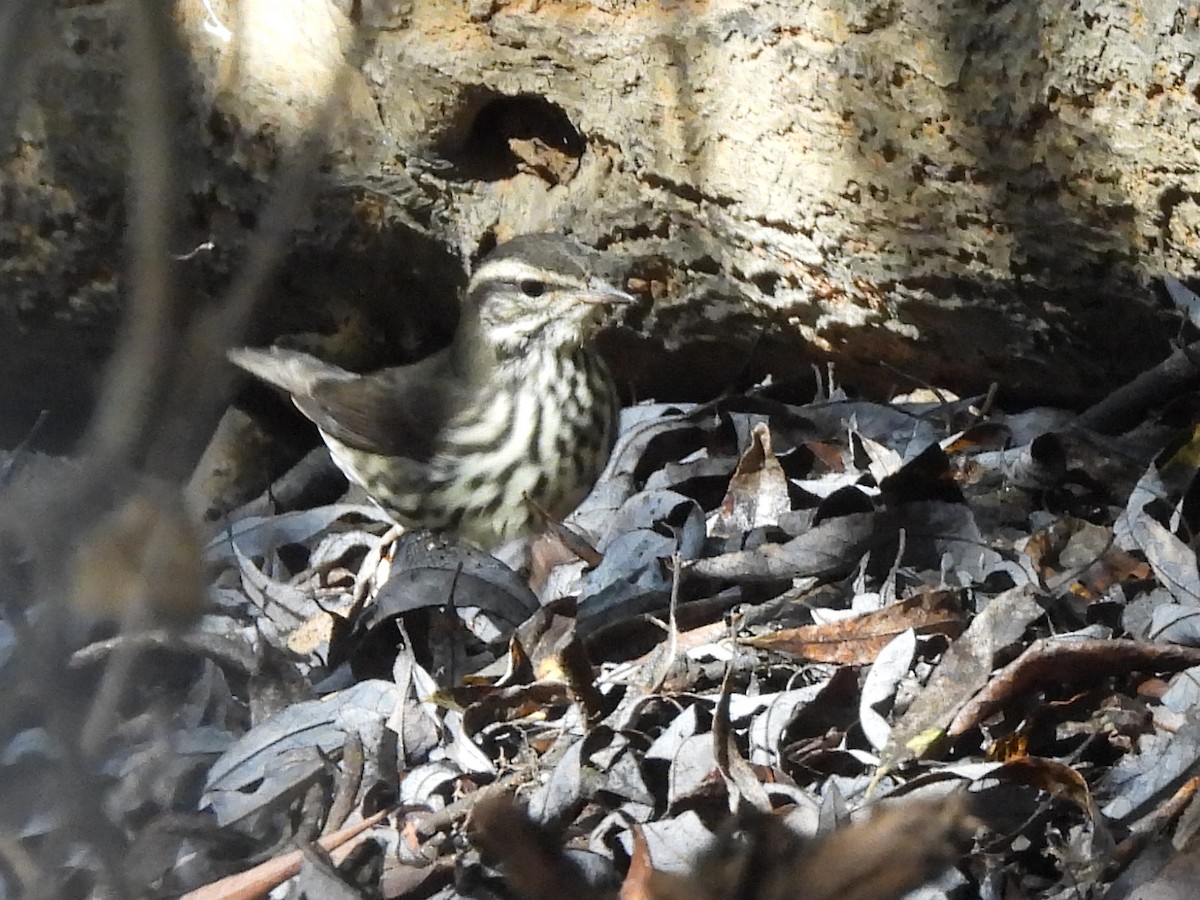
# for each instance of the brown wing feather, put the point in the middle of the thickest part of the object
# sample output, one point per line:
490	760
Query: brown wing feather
397	411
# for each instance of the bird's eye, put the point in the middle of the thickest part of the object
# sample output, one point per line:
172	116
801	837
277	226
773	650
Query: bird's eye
532	288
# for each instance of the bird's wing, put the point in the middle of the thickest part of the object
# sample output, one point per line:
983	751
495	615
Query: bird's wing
396	412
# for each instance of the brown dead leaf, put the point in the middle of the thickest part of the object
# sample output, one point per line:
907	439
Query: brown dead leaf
858	641
1053	661
638	880
758	489
539	700
745	790
980	436
828	454
1055	778
571	667
1082	556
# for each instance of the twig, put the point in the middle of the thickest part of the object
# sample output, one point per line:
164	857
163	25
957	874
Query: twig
1126	406
134	382
459	809
258	881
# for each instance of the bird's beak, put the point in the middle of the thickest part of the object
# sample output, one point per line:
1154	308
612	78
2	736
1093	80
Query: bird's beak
603	293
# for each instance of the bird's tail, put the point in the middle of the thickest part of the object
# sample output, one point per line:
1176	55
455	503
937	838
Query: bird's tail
291	370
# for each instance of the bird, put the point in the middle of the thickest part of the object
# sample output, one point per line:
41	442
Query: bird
513	420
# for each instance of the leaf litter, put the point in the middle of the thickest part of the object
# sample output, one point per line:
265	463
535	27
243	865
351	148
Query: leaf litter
833	649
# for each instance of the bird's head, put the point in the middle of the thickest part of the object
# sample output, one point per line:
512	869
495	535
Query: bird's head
538	290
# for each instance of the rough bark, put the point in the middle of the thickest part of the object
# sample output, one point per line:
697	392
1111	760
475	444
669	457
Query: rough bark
964	193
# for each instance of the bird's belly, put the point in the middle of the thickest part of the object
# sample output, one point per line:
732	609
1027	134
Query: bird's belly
549	462
487	484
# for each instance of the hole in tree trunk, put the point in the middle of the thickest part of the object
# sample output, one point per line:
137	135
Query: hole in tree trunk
506	135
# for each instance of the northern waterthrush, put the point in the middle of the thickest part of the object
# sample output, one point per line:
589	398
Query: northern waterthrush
517	415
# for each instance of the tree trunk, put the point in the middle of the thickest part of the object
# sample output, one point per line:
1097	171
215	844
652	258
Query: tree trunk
943	192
